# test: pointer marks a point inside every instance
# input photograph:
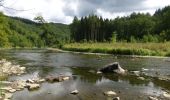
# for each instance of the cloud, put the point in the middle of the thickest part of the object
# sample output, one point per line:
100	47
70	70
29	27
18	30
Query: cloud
63	11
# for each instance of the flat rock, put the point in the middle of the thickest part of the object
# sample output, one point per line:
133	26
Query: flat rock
74	92
12	90
41	80
5	82
6	88
66	78
110	93
33	86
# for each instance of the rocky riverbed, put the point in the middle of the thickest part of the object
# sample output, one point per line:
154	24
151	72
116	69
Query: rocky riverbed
8	88
58	76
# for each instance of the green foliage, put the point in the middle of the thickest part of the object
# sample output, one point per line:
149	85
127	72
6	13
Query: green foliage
114	37
132	39
144	49
19	32
137	27
150	38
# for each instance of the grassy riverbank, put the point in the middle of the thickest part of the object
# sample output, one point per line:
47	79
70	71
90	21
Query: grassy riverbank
143	49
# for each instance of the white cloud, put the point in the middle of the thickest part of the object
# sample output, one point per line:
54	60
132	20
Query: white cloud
62	11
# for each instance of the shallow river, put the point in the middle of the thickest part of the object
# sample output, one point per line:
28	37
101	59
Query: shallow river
42	63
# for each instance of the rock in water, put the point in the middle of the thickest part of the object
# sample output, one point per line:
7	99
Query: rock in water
110	93
113	68
152	98
8	95
117	98
141	78
75	92
166	95
33	86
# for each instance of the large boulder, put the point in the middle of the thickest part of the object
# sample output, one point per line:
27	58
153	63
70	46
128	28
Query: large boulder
113	68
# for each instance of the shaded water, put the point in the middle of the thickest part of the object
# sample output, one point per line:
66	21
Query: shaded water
41	63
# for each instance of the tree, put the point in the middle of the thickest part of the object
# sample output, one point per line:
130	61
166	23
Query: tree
39	19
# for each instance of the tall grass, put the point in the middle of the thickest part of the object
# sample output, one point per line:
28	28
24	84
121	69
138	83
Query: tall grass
144	49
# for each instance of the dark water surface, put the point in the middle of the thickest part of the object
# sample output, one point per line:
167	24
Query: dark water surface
41	63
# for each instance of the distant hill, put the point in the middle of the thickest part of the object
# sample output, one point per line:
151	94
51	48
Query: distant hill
20	32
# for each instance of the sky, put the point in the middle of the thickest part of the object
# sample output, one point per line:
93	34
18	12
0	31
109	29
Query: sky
63	11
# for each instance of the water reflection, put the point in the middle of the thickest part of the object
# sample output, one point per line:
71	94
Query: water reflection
41	63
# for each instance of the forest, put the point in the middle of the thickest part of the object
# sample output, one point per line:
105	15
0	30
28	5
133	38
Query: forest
137	27
19	32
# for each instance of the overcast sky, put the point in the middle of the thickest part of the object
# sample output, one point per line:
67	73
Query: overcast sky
63	11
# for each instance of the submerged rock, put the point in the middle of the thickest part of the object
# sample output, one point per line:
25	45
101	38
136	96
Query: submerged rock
98	72
141	78
57	79
116	98
113	68
110	93
152	98
136	73
74	92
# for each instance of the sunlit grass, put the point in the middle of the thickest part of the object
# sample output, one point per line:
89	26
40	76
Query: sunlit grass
149	49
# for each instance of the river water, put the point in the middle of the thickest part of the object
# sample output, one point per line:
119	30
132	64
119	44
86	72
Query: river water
82	68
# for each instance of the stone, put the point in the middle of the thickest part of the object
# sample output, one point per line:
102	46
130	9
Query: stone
12	90
18	85
57	79
8	95
136	73
1	98
141	78
91	71
166	95
22	68
41	80
33	86
75	92
113	68
98	72
66	78
152	98
110	93
144	69
5	82
116	98
30	81
6	88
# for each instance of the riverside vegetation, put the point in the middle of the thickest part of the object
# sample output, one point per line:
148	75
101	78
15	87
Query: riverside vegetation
136	34
143	49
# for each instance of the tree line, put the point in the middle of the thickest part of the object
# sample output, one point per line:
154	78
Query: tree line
137	27
19	32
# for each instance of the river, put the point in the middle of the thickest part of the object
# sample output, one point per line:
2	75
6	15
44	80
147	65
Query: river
82	67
